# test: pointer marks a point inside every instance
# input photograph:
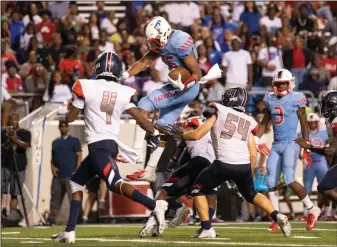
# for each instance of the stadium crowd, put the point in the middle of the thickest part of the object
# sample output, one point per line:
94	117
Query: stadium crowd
46	46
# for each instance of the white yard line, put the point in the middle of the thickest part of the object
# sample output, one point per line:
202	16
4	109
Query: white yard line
228	226
10	233
31	242
304	237
173	242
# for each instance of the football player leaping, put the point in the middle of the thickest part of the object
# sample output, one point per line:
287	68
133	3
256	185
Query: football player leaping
328	108
284	108
103	101
176	49
234	146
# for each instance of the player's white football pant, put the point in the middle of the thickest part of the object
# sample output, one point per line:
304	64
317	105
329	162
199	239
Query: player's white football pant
159	213
179	217
284	224
148	227
207	233
65	237
149	174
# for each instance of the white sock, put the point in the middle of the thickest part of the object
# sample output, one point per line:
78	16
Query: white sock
154	157
274	196
307	202
85	217
139	138
138	142
305	212
327	211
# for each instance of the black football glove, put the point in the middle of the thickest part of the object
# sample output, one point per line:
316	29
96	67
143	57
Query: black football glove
172	165
173	130
153	142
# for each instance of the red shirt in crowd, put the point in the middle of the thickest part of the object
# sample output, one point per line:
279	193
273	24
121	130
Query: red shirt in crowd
330	65
70	65
12	84
298	59
46	30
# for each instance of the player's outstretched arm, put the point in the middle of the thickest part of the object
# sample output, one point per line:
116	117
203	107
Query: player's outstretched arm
303	121
138	66
252	151
330	150
141	120
264	124
201	131
192	65
72	113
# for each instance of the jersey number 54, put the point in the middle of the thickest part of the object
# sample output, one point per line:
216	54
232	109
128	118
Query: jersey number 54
242	127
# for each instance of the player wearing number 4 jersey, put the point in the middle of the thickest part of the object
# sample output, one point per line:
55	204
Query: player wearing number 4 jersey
103	101
176	49
284	108
235	151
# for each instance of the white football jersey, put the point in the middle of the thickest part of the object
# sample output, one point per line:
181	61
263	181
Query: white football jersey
202	147
103	103
230	135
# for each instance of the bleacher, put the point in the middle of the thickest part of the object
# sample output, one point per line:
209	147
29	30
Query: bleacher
87	7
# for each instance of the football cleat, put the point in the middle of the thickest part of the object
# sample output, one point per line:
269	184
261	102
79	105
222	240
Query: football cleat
284	224
64	237
179	217
159	214
207	233
135	175
313	215
148	227
273	227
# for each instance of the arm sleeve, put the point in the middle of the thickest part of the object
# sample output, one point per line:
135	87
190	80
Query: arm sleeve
183	45
130	104
79	99
224	61
301	101
249	58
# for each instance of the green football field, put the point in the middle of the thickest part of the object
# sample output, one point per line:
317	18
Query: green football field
231	234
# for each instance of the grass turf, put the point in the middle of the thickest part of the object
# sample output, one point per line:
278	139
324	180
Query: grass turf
231	234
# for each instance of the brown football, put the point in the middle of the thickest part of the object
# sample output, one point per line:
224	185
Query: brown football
174	73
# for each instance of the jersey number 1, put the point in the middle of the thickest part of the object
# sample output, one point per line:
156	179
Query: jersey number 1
108	104
230	127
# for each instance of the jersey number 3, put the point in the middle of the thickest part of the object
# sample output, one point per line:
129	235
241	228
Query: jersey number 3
280	114
108	104
230	127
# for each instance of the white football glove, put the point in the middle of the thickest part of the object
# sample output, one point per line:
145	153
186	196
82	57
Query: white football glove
177	83
124	76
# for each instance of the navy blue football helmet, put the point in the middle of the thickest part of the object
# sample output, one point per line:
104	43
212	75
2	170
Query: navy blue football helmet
235	97
328	105
108	65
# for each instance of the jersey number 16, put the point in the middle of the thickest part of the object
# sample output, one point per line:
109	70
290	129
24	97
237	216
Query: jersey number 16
108	104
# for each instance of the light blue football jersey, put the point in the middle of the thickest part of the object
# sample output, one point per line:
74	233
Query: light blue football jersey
179	45
284	114
318	139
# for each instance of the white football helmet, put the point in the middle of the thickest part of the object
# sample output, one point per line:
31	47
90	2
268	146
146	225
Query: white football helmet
283	75
313	117
157	30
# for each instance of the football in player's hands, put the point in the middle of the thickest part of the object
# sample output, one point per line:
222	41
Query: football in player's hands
174	74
